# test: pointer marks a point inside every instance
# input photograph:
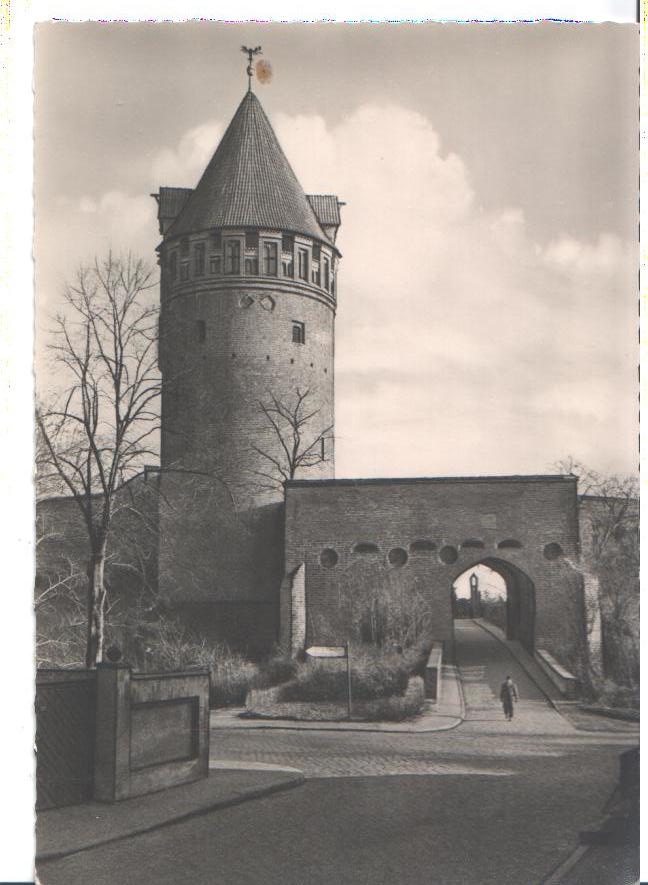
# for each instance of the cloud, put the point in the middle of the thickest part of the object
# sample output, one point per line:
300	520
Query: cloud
462	345
183	165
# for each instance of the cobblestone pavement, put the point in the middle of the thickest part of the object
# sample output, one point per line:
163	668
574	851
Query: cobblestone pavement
485	744
490	803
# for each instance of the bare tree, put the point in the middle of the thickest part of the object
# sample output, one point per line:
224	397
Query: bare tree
99	430
299	440
609	519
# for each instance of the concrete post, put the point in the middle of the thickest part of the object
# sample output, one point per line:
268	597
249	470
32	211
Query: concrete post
112	741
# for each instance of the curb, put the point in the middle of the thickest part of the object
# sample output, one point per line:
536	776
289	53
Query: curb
217	805
269	723
456	722
556	876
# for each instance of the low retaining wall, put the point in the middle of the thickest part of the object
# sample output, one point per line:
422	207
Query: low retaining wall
433	672
152	730
566	683
65	737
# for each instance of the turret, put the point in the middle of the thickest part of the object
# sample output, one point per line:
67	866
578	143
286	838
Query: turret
249	269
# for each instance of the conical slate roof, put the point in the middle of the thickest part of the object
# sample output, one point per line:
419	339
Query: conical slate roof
248	183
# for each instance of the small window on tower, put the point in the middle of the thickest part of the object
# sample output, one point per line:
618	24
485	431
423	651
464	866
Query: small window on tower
327	274
302	257
270	259
316	252
252	266
201	331
232	257
215	241
199	259
287	268
184	270
215	264
251	239
298	332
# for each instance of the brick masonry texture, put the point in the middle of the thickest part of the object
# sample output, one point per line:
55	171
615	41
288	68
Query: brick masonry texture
535	511
213	388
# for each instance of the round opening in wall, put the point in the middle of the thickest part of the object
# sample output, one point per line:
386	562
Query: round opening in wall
552	551
448	554
397	556
329	558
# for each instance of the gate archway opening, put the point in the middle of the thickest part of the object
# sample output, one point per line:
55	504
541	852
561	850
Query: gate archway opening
501	593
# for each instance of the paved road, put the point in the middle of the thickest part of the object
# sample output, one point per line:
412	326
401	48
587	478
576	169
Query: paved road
486	803
484	663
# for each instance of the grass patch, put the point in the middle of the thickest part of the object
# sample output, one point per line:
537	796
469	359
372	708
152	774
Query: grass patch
264	704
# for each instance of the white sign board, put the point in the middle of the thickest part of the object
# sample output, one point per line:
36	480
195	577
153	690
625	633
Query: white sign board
326	651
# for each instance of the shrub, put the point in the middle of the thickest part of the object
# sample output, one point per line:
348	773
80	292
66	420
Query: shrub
373	675
416	657
231	677
275	671
171	647
619	696
399	707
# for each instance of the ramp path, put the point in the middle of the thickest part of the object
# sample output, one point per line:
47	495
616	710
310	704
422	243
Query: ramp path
484	661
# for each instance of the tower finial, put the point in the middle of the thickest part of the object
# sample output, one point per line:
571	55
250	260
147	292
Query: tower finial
250	70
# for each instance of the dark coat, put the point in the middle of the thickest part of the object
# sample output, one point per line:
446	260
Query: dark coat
508	692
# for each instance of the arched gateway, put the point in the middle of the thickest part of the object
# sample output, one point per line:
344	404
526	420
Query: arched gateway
419	536
518	604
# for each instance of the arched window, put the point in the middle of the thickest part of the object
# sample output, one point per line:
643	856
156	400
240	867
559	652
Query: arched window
365	547
509	544
422	546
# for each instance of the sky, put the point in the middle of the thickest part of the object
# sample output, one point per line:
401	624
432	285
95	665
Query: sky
487	318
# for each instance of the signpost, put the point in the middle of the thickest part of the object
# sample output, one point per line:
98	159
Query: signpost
335	651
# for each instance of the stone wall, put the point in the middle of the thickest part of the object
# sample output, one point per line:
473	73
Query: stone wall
429	531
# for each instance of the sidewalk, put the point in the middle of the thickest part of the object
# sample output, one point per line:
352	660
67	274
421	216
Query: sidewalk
62	831
443	715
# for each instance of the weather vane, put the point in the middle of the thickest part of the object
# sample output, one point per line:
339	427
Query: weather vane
250	54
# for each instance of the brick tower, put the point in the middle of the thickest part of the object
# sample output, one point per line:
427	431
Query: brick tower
248	296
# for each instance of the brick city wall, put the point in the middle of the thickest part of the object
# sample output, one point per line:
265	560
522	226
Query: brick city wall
62	539
220	567
461	514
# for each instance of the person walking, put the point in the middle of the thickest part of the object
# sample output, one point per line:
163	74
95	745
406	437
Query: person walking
508	693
